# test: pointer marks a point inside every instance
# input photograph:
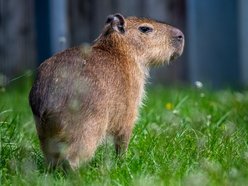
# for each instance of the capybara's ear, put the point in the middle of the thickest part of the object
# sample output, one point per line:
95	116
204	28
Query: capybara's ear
116	22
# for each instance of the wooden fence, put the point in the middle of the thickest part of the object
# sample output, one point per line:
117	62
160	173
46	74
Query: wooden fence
26	35
215	31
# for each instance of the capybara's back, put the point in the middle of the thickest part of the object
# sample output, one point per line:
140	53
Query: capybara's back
67	102
77	99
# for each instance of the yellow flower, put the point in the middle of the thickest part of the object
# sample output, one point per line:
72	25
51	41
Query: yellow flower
169	106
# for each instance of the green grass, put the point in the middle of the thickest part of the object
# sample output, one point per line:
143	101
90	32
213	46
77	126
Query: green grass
185	136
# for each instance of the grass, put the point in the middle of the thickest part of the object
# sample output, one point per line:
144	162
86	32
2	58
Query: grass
185	136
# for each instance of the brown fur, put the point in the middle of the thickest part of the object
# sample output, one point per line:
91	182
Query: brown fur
78	99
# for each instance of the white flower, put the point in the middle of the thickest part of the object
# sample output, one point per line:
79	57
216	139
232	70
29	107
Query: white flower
198	84
175	111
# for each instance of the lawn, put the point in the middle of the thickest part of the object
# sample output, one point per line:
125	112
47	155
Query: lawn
185	136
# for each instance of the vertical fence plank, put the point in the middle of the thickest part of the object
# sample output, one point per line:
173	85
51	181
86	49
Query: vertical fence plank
213	42
128	7
243	22
17	50
59	25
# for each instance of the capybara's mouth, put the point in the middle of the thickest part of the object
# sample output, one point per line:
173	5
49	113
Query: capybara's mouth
178	50
176	54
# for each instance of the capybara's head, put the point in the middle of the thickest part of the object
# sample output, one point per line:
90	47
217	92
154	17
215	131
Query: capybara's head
150	42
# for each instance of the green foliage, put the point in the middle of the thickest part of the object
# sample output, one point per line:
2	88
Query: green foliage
185	136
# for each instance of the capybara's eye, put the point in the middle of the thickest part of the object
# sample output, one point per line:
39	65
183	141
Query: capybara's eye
145	29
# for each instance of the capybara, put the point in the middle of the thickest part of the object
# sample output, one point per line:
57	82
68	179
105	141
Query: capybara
79	98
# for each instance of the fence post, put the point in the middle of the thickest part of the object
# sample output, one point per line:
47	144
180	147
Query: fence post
213	42
58	25
51	27
243	7
42	24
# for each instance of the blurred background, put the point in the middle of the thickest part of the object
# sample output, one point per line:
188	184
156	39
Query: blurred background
216	50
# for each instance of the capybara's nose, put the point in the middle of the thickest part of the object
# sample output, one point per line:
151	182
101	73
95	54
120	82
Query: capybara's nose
177	35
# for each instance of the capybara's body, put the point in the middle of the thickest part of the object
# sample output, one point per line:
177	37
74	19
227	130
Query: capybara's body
77	99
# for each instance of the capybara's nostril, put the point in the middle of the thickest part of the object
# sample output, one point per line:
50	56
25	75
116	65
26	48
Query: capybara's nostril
180	37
